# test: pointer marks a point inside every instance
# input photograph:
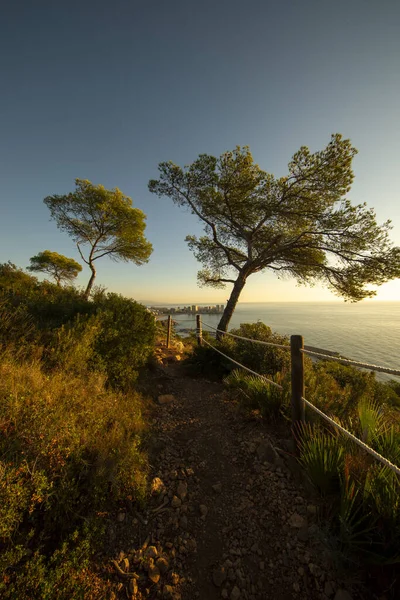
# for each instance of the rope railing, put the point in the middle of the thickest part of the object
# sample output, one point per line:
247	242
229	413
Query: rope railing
355	439
178	321
349	361
243	367
344	361
298	350
239	337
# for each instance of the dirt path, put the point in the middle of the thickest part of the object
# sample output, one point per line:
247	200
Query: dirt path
229	520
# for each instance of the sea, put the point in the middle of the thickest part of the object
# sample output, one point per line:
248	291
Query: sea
367	331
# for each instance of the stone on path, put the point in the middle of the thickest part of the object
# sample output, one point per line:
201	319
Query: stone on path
176	502
219	576
151	552
157	486
297	521
154	574
235	593
182	490
166	399
162	564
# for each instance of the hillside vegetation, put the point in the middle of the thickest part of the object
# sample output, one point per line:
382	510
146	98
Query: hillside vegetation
71	430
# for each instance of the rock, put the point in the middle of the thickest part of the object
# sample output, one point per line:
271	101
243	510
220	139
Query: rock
166	399
121	517
176	502
162	564
154	574
224	593
168	591
219	576
217	487
182	490
203	510
228	563
297	521
175	578
265	451
235	593
311	509
151	552
183	523
329	589
133	587
157	486
124	564
296	587
343	595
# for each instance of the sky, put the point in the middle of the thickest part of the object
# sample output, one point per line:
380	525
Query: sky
105	91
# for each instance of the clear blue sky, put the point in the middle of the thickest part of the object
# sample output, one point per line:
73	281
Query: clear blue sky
106	90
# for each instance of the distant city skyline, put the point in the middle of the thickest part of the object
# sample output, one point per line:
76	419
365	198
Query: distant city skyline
105	91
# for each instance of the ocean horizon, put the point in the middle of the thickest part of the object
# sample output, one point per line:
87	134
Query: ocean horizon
367	331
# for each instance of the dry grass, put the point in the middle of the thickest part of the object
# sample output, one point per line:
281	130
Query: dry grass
69	448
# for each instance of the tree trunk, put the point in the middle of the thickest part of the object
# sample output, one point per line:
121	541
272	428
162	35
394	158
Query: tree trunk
91	281
231	305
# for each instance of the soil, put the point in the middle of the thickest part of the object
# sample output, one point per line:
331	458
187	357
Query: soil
227	517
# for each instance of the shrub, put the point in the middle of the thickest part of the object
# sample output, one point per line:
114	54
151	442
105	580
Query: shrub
266	360
68	448
71	347
322	455
16	325
256	393
126	339
65	575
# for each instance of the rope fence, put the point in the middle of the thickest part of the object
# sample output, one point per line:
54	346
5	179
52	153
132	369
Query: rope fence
355	439
349	361
243	367
298	400
239	337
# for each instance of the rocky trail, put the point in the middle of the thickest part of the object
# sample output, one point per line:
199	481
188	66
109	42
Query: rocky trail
227	519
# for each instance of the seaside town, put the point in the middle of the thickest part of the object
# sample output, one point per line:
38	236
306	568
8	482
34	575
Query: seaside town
187	310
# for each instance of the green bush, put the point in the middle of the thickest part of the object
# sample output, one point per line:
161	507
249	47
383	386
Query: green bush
266	360
322	455
255	393
65	575
71	347
126	340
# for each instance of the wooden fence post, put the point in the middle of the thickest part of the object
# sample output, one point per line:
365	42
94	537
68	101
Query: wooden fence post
199	330
169	323
297	370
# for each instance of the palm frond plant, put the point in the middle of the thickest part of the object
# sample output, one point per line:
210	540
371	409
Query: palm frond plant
322	455
256	393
